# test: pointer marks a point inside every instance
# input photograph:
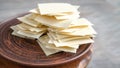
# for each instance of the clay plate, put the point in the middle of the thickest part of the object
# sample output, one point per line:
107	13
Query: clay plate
28	52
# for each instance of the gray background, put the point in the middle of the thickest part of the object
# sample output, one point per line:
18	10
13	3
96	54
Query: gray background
104	14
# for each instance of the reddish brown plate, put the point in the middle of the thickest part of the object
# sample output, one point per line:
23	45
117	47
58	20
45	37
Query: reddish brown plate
28	52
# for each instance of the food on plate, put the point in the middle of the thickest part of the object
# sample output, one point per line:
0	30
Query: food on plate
56	27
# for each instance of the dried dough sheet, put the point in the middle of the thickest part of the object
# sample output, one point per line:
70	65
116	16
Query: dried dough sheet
47	51
52	46
28	21
30	28
52	22
81	31
55	8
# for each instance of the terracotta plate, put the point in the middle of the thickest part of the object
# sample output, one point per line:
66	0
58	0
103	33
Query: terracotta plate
28	52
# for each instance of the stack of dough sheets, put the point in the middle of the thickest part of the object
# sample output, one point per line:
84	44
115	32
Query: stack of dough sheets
56	26
28	28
